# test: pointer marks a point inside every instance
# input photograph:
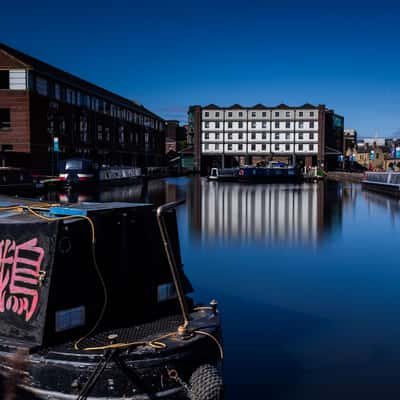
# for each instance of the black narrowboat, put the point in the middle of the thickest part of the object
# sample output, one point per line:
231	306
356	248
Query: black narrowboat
97	295
274	173
84	172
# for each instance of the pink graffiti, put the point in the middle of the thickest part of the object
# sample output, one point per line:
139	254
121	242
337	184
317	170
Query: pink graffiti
20	267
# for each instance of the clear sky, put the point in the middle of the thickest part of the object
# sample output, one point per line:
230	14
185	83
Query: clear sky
170	54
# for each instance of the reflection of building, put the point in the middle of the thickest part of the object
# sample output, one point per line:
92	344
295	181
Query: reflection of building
228	136
231	211
39	102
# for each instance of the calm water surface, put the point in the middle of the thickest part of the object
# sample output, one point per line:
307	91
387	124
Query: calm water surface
307	278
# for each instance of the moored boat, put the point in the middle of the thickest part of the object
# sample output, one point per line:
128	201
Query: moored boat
273	172
224	174
382	182
97	294
76	171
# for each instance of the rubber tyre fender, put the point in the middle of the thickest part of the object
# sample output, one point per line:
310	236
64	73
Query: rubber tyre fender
206	383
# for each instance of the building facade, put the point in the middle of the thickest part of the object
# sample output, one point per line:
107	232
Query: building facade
41	104
350	141
235	135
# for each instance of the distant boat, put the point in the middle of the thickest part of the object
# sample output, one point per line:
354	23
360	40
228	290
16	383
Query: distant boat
382	182
12	179
79	171
273	172
224	174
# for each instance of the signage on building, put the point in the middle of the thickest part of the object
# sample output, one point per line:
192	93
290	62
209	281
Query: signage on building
372	155
397	154
341	158
56	146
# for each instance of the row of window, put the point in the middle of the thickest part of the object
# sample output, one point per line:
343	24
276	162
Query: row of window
263	114
253	124
276	147
76	97
253	135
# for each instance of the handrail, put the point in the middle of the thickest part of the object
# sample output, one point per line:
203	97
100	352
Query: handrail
172	261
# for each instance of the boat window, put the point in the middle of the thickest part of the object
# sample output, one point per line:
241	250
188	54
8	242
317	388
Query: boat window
73	165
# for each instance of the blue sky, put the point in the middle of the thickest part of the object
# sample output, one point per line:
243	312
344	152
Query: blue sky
170	54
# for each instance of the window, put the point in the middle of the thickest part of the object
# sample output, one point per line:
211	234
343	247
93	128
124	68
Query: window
253	124
276	113
263	147
42	86
217	114
4	79
276	124
264	124
311	147
287	125
206	146
99	133
240	146
253	114
276	136
229	113
287	136
5	120
311	135
206	136
57	91
301	136
217	125
229	147
107	134
70	96
240	114
300	147
311	113
229	124
229	136
311	124
301	113
264	136
217	146
288	113
276	147
253	147
240	136
240	124
287	147
264	113
217	136
206	114
207	124
253	136
301	124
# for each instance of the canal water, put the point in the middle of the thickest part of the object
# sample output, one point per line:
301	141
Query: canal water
307	277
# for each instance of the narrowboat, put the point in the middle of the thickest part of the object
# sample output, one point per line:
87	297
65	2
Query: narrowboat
17	179
77	171
274	172
97	295
224	174
382	182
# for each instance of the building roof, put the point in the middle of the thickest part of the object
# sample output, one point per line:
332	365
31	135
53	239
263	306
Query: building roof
62	76
260	106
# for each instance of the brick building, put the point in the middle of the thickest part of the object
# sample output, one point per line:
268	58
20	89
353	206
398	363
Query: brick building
39	102
228	136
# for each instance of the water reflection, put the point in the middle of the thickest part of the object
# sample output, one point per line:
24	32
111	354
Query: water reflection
293	214
219	212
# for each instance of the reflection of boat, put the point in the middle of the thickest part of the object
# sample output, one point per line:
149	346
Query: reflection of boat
382	182
77	171
273	172
119	327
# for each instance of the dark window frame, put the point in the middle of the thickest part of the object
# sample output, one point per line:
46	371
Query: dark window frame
5	118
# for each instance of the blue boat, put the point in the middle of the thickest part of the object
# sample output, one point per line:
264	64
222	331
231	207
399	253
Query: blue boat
274	172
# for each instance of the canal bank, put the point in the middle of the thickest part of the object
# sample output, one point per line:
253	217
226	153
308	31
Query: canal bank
345	176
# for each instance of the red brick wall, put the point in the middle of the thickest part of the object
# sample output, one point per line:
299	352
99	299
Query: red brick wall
18	135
